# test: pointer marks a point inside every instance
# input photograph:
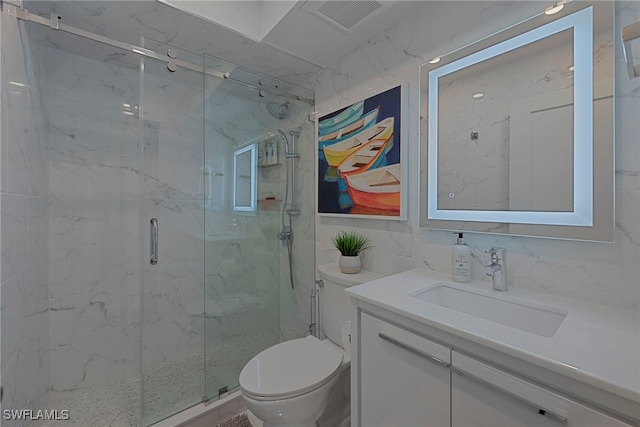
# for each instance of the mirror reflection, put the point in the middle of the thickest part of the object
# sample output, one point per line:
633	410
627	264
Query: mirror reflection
244	179
518	132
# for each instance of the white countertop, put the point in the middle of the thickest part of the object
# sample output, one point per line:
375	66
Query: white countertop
596	344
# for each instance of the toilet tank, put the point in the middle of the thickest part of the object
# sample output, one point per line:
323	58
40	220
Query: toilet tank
334	302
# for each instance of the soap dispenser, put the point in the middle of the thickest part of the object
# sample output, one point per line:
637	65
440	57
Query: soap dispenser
461	261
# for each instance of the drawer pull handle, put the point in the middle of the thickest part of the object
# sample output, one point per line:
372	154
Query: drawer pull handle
542	411
413	350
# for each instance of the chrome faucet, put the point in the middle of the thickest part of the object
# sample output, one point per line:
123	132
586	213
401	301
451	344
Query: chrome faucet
498	268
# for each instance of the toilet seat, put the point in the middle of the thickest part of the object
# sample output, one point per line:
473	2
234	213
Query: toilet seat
290	369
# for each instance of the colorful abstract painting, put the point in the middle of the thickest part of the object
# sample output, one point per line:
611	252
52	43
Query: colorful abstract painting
360	158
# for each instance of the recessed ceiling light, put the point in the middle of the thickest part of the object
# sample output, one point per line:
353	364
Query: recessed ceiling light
554	8
435	60
477	95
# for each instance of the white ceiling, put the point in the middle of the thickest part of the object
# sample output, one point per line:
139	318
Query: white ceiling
250	18
293	27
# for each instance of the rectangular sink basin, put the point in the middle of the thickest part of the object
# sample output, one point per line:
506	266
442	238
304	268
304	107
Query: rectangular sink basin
536	319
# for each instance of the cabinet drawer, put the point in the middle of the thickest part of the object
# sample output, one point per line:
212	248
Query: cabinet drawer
486	396
404	379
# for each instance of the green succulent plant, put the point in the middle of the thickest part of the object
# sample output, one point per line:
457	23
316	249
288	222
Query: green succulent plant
350	243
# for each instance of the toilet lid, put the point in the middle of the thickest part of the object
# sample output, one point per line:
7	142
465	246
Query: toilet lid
290	368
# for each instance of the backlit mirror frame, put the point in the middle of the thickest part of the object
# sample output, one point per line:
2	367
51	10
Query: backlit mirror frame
249	150
581	23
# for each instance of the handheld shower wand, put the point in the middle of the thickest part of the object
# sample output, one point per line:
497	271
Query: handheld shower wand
286	234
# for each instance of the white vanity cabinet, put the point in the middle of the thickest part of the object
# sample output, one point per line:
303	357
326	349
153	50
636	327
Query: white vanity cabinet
404	378
482	395
422	357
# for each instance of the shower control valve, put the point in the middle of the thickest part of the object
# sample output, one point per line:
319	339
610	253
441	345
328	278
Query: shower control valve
293	211
285	234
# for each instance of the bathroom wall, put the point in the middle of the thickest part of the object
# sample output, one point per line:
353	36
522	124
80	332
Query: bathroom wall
599	272
24	190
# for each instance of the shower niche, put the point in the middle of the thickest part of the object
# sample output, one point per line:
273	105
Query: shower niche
269	173
269	153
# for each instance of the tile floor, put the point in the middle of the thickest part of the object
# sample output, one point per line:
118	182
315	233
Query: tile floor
117	404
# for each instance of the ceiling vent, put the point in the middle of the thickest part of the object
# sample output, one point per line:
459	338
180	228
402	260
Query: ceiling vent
343	14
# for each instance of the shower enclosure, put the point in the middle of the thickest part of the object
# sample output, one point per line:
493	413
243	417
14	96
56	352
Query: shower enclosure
163	269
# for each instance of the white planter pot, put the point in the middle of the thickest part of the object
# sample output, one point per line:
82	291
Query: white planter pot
349	264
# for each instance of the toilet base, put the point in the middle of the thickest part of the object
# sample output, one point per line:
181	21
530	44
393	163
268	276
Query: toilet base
327	406
299	411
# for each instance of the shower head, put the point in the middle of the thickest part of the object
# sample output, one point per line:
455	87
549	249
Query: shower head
279	111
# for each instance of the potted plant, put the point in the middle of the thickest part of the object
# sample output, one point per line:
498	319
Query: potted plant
350	244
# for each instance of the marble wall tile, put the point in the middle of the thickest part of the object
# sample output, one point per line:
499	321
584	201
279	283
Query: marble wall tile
15	63
81	317
83	127
92	175
94	224
173	178
15	222
24	316
24	163
88	269
79	79
598	272
15	308
75	222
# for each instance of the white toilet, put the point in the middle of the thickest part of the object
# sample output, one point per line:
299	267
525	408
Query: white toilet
292	383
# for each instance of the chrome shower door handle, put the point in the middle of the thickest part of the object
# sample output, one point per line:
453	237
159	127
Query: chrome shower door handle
154	241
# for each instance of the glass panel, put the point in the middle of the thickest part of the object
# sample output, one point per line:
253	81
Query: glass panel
172	329
242	280
94	238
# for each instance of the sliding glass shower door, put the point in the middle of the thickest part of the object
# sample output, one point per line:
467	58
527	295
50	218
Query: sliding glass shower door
210	216
160	183
172	221
243	176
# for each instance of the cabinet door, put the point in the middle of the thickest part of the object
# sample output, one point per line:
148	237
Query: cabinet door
482	395
404	378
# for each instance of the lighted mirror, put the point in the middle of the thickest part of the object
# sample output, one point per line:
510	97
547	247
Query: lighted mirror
518	132
244	179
